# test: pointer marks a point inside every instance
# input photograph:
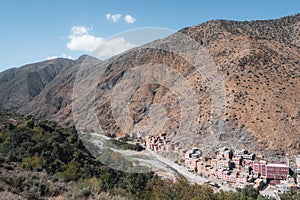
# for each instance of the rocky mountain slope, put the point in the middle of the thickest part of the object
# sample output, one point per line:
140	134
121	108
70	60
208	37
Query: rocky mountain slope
42	89
260	68
20	85
258	62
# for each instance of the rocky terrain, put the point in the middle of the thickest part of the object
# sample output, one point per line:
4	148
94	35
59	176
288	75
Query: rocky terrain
260	74
42	89
260	64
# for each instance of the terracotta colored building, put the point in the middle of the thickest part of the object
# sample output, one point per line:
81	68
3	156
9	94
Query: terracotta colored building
271	170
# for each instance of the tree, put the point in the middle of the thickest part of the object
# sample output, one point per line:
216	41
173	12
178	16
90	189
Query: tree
249	192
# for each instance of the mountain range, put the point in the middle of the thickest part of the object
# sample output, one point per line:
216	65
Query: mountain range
258	61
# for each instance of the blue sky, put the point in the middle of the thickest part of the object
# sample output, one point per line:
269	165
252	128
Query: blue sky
34	30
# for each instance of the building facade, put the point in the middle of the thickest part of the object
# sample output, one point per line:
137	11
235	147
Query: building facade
271	170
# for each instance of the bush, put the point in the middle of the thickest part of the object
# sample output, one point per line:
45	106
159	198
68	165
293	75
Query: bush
124	145
72	172
29	123
32	163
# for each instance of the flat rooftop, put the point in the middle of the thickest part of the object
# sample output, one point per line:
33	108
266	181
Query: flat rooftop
276	165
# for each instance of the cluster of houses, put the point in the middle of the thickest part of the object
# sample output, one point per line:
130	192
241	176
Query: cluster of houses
239	168
159	143
235	168
226	167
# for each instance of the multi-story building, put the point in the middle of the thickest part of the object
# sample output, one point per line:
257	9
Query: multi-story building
193	153
192	157
223	153
271	170
243	154
219	163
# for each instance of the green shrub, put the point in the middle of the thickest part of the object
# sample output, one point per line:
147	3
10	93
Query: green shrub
29	123
124	145
72	172
32	163
94	184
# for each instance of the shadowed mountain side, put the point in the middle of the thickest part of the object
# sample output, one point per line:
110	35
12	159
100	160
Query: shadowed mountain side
43	89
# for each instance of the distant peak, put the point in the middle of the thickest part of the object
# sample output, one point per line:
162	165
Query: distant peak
86	57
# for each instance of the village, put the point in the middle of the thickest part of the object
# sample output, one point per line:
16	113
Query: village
233	168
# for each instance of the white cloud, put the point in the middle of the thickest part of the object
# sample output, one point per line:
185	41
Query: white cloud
113	17
129	19
116	17
79	30
81	40
63	55
112	47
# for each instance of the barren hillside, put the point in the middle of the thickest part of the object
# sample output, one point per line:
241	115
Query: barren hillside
260	69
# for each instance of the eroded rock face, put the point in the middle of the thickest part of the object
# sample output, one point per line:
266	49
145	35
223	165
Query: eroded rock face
260	69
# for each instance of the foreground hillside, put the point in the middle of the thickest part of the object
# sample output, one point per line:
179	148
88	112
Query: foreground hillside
41	160
258	62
